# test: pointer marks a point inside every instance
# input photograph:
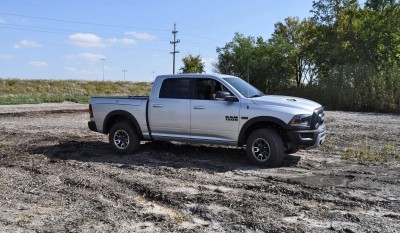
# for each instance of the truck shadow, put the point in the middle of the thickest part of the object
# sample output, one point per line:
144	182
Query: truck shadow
177	155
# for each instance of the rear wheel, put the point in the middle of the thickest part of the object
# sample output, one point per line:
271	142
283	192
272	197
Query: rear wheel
123	139
264	147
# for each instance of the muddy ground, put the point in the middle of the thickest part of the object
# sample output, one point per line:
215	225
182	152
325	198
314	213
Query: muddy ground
57	176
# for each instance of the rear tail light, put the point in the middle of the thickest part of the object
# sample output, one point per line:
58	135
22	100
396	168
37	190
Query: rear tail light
90	111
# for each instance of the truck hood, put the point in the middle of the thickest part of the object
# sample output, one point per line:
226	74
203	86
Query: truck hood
286	101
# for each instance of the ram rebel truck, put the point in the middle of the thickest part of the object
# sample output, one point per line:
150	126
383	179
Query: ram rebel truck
211	109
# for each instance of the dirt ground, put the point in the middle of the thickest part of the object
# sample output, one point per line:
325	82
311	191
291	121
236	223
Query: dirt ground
57	176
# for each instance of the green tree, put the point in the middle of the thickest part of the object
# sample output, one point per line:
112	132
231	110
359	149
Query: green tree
349	55
356	53
192	64
326	12
255	60
295	35
235	57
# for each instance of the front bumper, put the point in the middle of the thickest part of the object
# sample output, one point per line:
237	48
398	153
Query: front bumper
308	139
92	126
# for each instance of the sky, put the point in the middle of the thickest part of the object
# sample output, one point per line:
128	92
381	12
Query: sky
47	39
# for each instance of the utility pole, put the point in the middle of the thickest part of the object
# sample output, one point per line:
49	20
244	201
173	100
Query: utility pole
174	42
124	73
102	62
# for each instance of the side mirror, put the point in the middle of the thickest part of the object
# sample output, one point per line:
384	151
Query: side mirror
224	95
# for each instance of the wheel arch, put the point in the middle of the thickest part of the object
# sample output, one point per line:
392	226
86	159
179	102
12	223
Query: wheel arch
259	123
121	116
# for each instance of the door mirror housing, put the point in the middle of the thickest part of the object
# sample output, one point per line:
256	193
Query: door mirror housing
224	95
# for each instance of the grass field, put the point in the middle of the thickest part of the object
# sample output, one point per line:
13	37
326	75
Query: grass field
17	91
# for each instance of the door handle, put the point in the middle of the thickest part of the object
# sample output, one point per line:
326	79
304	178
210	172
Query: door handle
157	105
199	107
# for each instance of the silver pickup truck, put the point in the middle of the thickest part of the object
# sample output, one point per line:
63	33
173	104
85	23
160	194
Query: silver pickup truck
211	109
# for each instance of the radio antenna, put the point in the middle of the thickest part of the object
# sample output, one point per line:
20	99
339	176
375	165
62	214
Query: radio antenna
248	83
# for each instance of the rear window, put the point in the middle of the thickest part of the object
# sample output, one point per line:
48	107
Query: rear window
175	88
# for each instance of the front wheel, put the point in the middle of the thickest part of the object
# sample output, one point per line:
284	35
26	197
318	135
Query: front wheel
123	139
264	147
291	150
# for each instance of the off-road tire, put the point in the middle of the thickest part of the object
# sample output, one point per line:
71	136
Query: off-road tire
291	150
123	139
265	147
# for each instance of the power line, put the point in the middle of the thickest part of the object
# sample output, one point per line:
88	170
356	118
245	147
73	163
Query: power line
174	42
202	37
197	45
98	24
108	47
57	30
41	6
54	30
80	22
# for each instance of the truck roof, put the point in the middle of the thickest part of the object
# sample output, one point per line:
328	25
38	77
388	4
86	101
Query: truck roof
220	76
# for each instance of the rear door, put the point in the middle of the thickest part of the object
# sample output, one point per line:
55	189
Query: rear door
169	114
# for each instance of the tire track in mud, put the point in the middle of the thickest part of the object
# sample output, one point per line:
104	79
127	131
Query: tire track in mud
74	184
173	203
86	196
144	189
41	113
251	192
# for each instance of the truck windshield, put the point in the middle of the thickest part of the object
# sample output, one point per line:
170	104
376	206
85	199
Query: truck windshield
244	88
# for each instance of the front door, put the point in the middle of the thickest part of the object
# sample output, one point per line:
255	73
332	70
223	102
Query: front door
213	119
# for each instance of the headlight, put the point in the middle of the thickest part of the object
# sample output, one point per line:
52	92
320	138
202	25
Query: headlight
301	120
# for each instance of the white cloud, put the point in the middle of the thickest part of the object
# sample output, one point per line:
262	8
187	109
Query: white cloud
122	41
141	36
2	21
91	56
86	40
5	57
27	43
38	64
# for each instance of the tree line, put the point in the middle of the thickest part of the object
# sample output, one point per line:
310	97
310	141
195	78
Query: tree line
346	56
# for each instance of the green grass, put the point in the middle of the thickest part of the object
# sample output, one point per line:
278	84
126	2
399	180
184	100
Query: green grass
367	154
5	144
18	91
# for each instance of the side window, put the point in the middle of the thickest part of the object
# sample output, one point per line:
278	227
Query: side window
175	88
206	89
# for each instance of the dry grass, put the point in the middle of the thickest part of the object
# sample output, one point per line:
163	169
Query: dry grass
17	91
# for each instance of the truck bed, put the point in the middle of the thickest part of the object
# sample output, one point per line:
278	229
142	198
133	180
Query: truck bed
123	97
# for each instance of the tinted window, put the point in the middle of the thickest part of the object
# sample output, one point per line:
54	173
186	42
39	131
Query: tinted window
206	89
175	88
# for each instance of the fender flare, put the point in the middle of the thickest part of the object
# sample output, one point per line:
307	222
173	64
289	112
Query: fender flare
125	114
244	133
